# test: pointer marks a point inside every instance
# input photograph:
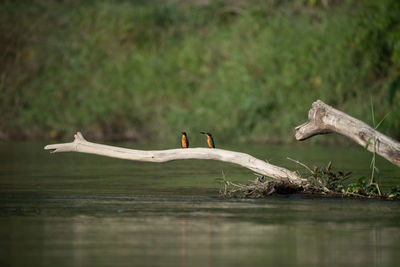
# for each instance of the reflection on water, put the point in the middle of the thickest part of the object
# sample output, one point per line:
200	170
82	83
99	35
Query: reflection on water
79	210
206	231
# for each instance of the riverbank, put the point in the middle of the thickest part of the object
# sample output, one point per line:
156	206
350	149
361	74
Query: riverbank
247	72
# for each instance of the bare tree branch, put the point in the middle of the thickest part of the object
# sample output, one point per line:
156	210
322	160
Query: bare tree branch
323	119
242	159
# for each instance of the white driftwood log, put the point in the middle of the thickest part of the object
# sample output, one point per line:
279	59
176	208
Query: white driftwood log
323	119
245	160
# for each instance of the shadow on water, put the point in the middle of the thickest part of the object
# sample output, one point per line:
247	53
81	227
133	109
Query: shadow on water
76	209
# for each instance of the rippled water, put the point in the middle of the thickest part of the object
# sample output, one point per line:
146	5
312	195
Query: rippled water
74	209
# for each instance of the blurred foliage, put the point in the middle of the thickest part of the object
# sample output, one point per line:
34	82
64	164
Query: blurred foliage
242	70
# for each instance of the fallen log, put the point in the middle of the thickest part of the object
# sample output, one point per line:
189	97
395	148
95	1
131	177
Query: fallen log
324	119
245	160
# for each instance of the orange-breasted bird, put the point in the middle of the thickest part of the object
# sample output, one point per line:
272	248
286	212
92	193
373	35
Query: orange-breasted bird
184	141
210	140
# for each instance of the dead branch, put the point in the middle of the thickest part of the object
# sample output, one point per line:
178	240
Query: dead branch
323	119
245	160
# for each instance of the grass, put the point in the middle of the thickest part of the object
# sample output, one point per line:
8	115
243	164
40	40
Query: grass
147	70
374	169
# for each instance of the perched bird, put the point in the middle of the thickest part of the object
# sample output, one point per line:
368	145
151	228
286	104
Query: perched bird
210	140
184	140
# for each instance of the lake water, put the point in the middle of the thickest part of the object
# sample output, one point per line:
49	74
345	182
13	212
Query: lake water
71	209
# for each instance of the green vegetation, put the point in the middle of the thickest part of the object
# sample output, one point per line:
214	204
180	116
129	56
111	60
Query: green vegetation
323	181
245	70
373	181
327	178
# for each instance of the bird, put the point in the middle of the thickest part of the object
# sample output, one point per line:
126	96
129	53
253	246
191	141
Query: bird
210	140
184	140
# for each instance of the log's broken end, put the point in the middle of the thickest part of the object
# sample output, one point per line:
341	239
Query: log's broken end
65	147
308	130
300	131
52	150
59	147
314	125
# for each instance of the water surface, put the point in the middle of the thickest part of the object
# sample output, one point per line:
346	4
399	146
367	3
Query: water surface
74	209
